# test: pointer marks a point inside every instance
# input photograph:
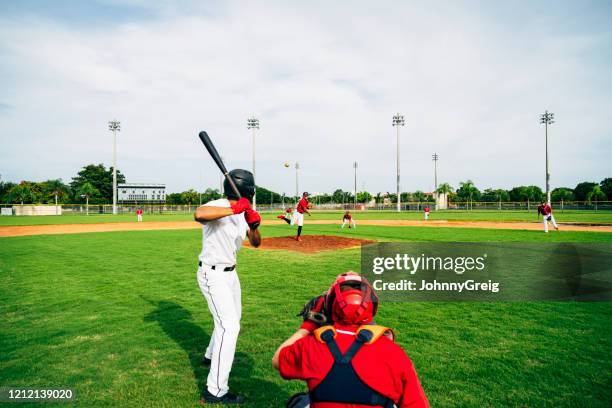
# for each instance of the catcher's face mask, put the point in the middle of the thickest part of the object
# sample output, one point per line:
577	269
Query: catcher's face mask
351	300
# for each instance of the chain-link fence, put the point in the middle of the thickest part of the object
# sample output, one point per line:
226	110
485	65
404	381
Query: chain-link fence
531	205
83	209
458	206
91	209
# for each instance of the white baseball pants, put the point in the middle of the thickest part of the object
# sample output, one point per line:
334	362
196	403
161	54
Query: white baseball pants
222	292
352	222
546	221
297	218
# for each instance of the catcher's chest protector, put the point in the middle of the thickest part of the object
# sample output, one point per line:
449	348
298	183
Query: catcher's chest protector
342	384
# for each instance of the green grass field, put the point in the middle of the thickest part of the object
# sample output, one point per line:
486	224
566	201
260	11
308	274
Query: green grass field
119	317
600	217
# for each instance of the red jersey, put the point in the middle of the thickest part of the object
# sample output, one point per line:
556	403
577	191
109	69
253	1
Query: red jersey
546	209
426	209
302	205
139	212
382	365
348	217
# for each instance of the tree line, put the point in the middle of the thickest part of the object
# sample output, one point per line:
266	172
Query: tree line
93	184
584	191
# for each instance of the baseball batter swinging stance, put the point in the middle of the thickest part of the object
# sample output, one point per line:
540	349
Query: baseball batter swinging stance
225	224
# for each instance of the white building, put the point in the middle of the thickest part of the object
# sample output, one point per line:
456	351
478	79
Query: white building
141	192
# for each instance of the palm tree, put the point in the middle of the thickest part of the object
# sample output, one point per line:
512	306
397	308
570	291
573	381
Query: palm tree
87	190
190	196
596	194
444	188
378	198
57	189
469	188
22	192
419	196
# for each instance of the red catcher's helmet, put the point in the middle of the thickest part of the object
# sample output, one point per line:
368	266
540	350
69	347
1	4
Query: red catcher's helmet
351	300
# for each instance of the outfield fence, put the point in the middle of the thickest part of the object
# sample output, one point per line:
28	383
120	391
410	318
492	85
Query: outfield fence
91	209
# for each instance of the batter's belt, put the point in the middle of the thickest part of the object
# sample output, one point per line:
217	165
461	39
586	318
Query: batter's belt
226	269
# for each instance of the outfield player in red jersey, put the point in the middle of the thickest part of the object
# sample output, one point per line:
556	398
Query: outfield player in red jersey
139	214
426	212
546	210
298	214
348	218
348	362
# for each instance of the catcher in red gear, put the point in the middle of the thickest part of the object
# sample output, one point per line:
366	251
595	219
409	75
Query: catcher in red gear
345	359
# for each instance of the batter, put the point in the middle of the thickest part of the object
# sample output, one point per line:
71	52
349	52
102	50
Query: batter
225	224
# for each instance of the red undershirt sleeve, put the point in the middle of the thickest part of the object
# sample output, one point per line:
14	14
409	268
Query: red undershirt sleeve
290	361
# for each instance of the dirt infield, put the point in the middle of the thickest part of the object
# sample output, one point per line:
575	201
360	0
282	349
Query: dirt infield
14	231
530	226
311	243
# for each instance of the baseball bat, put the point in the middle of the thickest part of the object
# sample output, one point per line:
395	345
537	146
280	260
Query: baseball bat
215	156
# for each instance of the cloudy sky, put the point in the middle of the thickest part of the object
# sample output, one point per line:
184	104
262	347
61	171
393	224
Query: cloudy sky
324	78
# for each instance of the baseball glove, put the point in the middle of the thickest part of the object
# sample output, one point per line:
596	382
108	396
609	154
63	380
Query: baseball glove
314	310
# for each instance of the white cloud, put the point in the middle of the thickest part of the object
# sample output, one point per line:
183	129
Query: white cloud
324	82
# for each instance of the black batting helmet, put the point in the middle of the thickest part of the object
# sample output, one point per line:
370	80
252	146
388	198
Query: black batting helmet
244	181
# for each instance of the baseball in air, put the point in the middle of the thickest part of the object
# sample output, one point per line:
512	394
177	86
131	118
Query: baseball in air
286	164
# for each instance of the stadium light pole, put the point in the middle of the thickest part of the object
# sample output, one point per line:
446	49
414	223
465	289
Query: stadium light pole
114	126
355	167
253	123
398	120
547	118
435	157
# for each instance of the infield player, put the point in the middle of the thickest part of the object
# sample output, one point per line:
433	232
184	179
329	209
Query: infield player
546	210
298	214
346	360
426	212
348	218
139	214
226	222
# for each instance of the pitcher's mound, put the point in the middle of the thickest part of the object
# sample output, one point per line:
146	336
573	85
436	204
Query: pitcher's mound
311	243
